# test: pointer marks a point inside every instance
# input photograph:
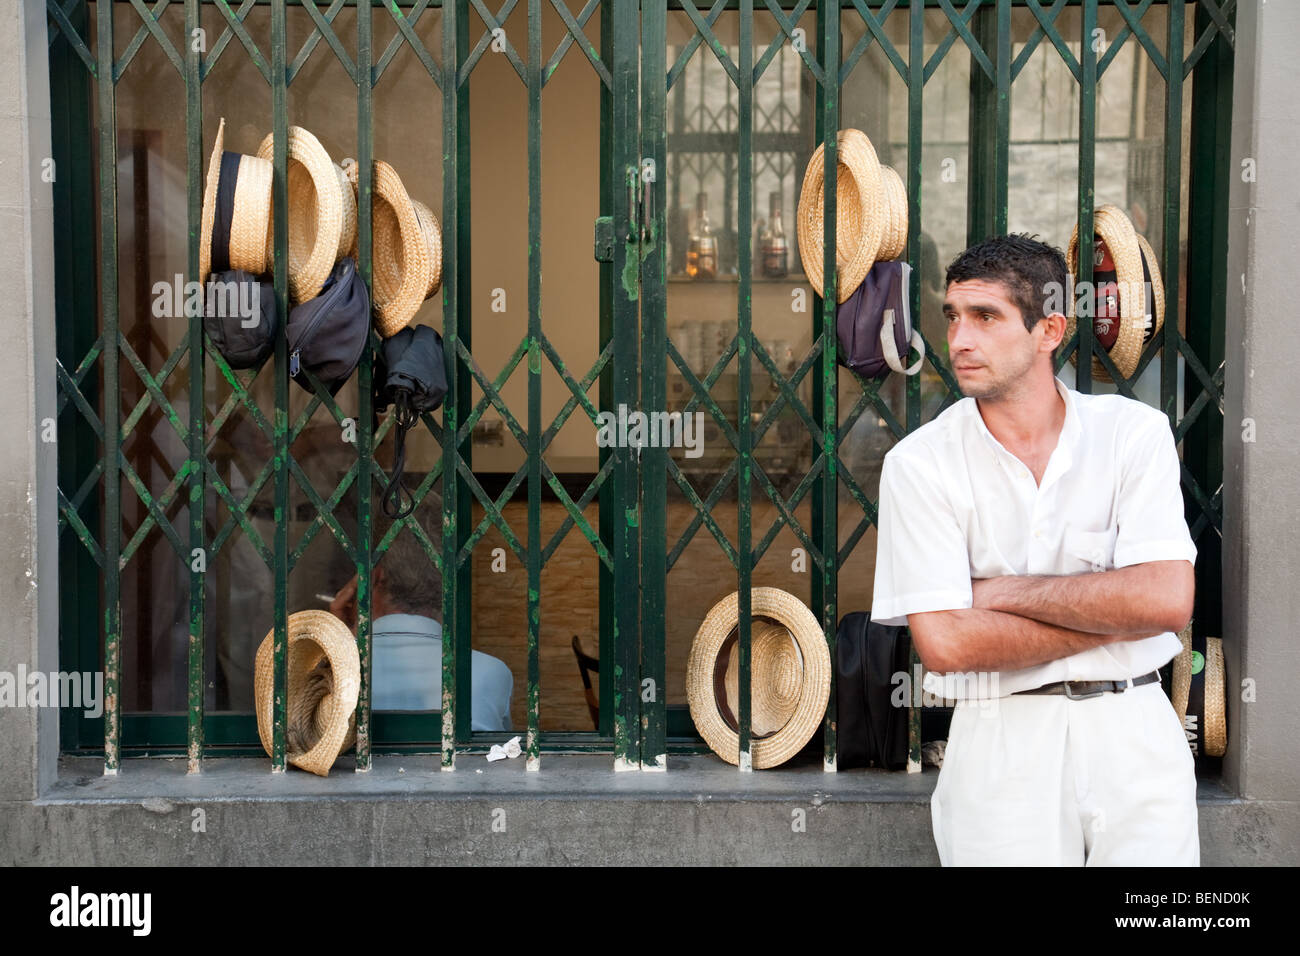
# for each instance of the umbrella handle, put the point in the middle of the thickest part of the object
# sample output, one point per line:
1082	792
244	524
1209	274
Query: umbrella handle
394	492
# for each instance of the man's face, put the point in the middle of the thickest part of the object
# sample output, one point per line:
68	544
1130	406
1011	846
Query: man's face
989	347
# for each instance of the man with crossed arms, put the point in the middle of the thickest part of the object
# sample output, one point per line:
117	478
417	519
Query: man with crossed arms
1035	536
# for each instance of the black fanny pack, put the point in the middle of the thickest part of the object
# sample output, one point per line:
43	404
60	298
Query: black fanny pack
328	334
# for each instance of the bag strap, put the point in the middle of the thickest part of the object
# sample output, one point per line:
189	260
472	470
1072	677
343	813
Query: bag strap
890	349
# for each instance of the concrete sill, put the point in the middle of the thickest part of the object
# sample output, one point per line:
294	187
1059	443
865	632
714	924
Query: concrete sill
562	776
575	810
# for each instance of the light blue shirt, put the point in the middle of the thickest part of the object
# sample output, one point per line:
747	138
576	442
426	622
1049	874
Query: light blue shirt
407	672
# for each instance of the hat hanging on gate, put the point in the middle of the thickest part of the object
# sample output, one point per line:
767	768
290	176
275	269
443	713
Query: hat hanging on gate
406	256
790	677
322	213
412	377
324	680
1124	320
894	239
236	218
862	213
1198	686
328	334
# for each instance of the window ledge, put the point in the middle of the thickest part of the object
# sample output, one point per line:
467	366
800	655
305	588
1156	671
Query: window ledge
697	777
562	776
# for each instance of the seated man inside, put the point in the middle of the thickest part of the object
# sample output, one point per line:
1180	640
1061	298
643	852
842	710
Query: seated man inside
406	658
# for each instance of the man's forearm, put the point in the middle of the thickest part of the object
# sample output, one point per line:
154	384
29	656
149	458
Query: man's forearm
1137	600
976	639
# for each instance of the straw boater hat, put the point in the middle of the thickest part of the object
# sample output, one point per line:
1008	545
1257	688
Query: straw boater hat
322	213
790	677
861	213
1214	725
894	240
1134	259
406	255
246	222
324	673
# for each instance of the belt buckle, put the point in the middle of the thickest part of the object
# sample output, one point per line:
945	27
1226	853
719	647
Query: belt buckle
1065	684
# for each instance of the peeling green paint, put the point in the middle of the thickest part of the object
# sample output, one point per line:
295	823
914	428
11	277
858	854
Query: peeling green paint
631	275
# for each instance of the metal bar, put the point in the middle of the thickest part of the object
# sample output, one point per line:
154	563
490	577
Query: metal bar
626	289
1172	222
112	533
819	494
534	76
654	393
828	387
1002	124
453	249
81	562
1207	210
607	504
364	77
915	109
465	450
1087	166
197	452
280	548
745	453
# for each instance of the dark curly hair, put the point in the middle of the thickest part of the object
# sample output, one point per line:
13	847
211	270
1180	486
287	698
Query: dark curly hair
1033	272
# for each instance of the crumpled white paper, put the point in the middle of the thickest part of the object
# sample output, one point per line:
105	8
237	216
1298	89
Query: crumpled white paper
510	748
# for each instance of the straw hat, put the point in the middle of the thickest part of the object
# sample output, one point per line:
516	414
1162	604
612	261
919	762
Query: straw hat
1134	259
860	213
790	677
406	256
324	681
1214	725
249	217
322	213
894	240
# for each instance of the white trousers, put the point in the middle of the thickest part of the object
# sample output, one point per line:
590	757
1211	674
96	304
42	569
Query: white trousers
1042	780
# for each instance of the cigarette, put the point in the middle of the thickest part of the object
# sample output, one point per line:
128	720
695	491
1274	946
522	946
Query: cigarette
327	598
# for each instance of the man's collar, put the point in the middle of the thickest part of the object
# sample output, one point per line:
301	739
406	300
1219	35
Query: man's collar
1070	430
416	624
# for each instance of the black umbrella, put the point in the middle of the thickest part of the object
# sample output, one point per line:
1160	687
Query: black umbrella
413	379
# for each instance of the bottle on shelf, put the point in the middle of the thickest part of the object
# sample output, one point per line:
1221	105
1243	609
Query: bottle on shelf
702	250
774	247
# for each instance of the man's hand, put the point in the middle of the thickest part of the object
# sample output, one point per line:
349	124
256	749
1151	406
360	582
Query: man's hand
1132	602
344	605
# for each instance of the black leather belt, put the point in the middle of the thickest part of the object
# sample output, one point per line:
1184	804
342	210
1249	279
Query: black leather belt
1083	689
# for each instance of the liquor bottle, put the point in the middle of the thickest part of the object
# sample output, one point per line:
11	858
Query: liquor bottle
775	248
702	250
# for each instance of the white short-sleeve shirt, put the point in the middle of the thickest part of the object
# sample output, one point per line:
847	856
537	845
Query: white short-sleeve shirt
955	505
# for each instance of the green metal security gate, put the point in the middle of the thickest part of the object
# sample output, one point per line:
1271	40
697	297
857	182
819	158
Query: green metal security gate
636	543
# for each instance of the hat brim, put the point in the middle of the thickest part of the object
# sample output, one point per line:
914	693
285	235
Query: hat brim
1214	724
1126	247
321	717
814	691
209	213
860	213
894	240
324	225
415	268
